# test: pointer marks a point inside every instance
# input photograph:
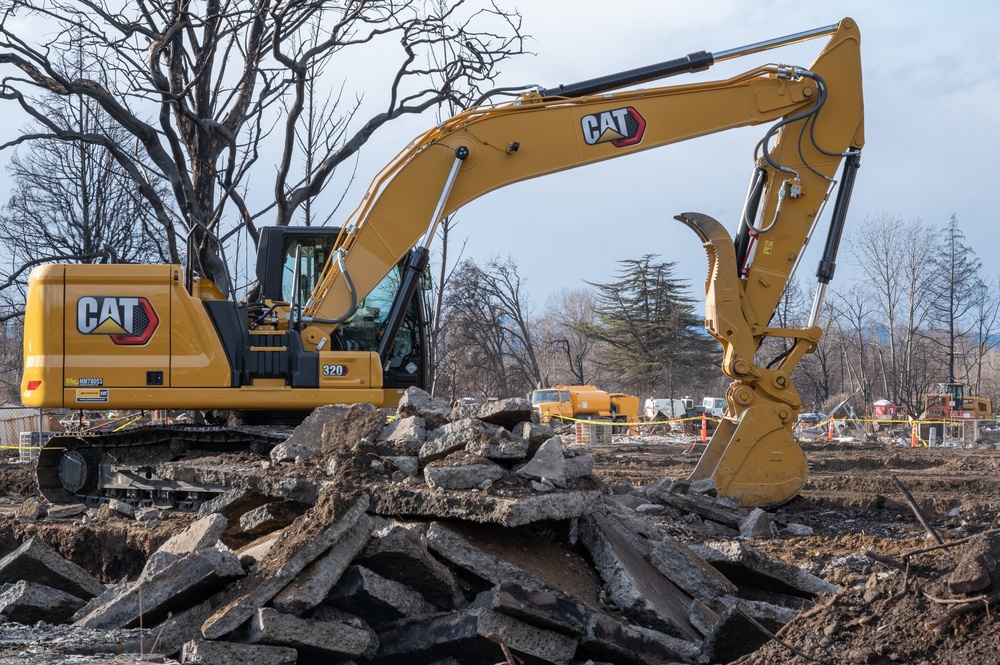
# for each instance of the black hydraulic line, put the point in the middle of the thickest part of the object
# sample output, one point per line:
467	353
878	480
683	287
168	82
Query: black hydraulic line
828	264
695	62
747	220
416	262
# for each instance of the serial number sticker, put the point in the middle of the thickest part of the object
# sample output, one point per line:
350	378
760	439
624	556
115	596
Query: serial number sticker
92	395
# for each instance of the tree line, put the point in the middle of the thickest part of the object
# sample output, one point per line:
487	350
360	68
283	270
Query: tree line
915	310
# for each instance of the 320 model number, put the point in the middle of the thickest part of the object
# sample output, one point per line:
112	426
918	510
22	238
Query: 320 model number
335	370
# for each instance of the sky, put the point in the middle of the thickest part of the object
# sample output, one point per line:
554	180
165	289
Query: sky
932	90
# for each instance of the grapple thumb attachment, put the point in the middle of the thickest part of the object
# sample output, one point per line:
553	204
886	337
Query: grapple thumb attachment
752	456
754	460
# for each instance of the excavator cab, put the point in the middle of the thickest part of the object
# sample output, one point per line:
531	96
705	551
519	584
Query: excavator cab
290	261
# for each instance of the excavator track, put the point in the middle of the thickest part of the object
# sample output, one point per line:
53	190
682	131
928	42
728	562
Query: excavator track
94	468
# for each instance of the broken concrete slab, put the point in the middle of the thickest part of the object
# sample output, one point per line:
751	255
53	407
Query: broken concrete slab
317	639
702	617
122	508
689	571
312	585
549	463
462	472
408	465
770	615
543	608
307	542
417	402
35	561
508	413
28	602
376	599
455	546
309	433
630	501
255	552
406	434
704	486
641	591
726	516
757	524
294	453
469	635
183	583
742	564
485	557
232	504
183	627
797	530
501	450
151	514
202	534
578	464
458	436
205	652
66	510
534	433
401	501
398	553
30	510
270	517
608	639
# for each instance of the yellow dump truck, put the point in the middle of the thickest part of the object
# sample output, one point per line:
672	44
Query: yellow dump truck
584	403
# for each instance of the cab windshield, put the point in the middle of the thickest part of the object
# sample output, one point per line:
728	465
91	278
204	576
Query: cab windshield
540	396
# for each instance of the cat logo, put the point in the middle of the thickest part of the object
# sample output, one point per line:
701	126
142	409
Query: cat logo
129	321
620	127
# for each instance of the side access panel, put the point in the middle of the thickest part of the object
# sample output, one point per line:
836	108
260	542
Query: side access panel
133	327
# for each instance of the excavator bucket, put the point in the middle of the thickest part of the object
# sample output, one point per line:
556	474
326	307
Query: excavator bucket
755	460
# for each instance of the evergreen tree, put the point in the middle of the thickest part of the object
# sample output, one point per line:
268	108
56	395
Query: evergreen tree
956	287
655	340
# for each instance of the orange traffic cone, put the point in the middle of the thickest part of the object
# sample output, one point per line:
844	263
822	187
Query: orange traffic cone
913	437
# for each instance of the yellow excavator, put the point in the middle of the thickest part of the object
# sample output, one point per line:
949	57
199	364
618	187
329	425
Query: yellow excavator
337	320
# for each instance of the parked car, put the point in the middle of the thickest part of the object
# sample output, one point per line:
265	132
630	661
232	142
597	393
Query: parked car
810	419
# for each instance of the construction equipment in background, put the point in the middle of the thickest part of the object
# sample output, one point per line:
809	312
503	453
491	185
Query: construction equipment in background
949	402
337	320
949	405
714	407
667	409
568	403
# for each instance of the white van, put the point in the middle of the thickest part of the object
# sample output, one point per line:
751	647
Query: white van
664	409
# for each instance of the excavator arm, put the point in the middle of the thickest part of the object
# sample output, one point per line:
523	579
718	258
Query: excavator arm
816	118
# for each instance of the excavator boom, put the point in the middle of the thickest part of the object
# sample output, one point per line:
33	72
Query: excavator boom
818	118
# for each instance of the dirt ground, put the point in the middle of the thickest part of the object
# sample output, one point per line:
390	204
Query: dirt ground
850	502
853	505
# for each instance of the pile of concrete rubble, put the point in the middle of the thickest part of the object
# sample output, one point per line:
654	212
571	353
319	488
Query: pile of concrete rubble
445	535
